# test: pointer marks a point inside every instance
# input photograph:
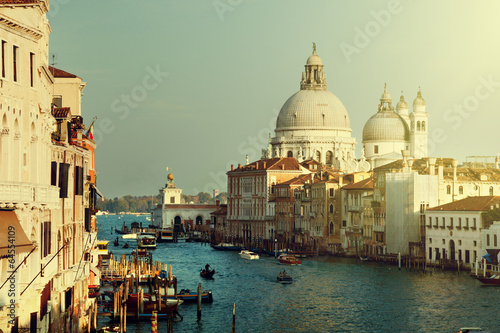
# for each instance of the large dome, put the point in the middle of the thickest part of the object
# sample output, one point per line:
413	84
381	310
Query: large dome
313	109
386	126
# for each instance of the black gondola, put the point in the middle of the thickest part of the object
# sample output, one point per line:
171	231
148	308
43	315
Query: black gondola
207	274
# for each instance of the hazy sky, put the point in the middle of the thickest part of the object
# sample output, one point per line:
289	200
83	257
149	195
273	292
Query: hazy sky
196	85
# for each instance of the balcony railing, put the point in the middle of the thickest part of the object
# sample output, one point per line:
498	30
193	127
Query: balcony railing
18	193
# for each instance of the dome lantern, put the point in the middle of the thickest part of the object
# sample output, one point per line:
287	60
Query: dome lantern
313	77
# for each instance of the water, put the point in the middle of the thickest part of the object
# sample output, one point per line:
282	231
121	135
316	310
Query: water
327	295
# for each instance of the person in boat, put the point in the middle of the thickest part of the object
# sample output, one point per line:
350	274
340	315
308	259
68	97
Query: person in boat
207	268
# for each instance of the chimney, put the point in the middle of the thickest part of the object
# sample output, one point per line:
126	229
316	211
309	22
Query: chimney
341	179
432	163
239	165
264	166
455	164
410	164
283	166
217	202
232	167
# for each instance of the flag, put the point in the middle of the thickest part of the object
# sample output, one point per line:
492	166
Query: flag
90	131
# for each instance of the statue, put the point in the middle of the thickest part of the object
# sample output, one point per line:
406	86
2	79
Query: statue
314	47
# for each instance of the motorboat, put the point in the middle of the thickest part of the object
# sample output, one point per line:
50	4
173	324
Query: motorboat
226	247
146	241
288	259
284	277
102	247
192	296
245	254
130	236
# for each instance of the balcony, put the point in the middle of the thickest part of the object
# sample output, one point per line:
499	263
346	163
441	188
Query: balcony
15	194
355	208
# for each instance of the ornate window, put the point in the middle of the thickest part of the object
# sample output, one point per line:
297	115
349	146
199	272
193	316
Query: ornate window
448	189
460	190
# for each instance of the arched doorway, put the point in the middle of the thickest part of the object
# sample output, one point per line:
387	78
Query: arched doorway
178	224
290	153
452	250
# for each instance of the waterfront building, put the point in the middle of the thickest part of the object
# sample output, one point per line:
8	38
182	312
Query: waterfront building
47	184
219	226
172	214
250	212
490	241
313	123
358	217
454	230
388	132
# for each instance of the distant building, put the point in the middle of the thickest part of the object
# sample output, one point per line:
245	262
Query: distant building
172	214
388	132
313	123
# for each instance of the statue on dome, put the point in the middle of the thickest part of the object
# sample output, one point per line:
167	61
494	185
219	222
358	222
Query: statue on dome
314	47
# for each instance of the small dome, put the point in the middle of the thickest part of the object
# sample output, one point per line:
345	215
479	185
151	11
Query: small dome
386	97
314	59
419	101
386	126
402	103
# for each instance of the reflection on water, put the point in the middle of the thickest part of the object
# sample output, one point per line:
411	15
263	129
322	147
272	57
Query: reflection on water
327	295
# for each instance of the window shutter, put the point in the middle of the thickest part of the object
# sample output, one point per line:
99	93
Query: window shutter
63	180
53	175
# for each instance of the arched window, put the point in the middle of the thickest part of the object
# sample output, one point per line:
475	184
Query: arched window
331	209
491	190
448	189
329	157
289	154
418	125
318	156
460	190
495	241
487	240
423	125
332	228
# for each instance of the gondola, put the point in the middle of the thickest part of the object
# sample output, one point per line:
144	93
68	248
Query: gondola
207	274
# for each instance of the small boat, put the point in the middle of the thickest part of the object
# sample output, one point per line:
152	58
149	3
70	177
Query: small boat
192	296
126	246
226	247
365	258
102	247
165	235
245	254
207	274
130	236
471	330
493	280
144	241
284	277
116	242
150	304
288	259
124	229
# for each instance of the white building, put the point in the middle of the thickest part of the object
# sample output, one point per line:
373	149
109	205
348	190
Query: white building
490	241
389	132
454	230
408	194
172	214
313	123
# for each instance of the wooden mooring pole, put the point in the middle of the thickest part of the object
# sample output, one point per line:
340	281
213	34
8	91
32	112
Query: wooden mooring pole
154	323
198	301
234	318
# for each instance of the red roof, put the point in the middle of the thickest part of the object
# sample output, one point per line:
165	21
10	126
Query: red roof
61	112
20	2
365	184
471	204
59	72
284	163
300	180
221	211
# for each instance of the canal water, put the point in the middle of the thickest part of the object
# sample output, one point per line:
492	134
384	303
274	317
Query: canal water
328	294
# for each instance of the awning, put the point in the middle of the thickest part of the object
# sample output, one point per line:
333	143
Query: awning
13	239
96	190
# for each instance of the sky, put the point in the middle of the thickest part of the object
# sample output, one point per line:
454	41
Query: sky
196	85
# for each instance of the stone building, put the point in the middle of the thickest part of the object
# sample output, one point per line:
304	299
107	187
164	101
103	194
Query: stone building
47	184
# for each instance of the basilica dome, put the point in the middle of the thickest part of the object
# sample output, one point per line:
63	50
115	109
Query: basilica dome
313	109
386	125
